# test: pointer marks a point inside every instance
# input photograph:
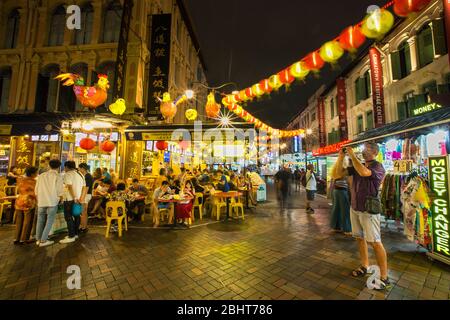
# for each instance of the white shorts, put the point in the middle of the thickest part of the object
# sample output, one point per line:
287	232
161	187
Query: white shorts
365	225
87	199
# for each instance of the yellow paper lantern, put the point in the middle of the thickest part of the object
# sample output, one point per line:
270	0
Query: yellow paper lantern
377	24
298	70
275	82
118	107
191	114
331	52
243	96
257	90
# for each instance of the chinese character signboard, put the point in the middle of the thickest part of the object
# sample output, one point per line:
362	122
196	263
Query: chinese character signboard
376	70
24	153
159	63
121	61
440	207
322	125
342	107
132	167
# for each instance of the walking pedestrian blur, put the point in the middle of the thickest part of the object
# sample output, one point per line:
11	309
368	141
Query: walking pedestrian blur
74	184
49	192
297	178
25	205
311	188
89	179
365	210
282	181
340	212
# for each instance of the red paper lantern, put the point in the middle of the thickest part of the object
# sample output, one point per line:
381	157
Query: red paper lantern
162	145
352	38
286	77
107	146
264	85
87	144
313	61
404	8
249	93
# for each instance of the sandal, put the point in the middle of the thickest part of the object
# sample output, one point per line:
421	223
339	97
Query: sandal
360	272
384	284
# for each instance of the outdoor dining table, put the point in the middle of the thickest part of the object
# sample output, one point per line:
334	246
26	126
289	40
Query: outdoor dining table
228	196
172	207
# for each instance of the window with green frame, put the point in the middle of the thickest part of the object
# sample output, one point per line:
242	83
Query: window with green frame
430	88
425	45
402	112
401	61
363	88
360	124
369	119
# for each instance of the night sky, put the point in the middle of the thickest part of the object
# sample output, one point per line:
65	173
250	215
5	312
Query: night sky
245	41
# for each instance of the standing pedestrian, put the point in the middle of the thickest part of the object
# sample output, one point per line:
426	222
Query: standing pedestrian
365	220
74	184
49	192
282	180
297	178
89	179
25	205
340	212
311	187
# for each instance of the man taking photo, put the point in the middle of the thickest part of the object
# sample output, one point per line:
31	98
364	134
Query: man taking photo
365	222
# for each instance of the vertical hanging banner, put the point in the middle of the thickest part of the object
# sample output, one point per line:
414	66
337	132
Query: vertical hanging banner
440	207
376	71
121	61
159	63
447	23
342	107
322	125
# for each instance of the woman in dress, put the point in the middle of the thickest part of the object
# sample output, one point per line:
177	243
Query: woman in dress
25	205
340	212
184	208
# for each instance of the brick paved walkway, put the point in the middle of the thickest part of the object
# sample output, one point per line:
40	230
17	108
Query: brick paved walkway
271	255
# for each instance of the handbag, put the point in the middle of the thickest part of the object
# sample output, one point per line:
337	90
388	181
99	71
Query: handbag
77	209
373	205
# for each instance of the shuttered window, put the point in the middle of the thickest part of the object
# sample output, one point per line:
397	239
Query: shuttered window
396	67
369	119
425	46
332	108
439	38
430	89
401	110
360	124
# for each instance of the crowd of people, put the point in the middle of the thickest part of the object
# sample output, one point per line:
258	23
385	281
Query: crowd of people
41	191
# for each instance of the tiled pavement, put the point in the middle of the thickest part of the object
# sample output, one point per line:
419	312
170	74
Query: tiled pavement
271	255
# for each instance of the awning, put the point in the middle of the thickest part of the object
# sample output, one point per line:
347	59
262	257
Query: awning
415	125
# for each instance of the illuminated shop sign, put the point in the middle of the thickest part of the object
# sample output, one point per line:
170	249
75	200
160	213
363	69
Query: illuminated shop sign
426	109
45	138
440	208
334	148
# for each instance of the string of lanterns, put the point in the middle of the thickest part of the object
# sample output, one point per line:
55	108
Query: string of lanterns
374	26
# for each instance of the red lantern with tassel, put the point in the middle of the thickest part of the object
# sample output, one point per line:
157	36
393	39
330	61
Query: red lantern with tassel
313	61
264	85
286	77
107	146
249	93
87	144
404	8
352	38
162	145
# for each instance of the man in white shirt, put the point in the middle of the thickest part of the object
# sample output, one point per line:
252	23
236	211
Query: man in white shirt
311	188
75	193
49	192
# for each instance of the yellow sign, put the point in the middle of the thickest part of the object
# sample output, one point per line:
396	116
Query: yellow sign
160	136
69	138
403	166
5	130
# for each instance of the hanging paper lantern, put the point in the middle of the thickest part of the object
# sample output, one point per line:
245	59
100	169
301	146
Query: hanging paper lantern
265	86
275	82
377	24
286	77
212	108
256	88
249	93
118	107
191	114
168	108
331	52
162	145
404	8
107	146
243	96
298	70
87	144
313	61
352	38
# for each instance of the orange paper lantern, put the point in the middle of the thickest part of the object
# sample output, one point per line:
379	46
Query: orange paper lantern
313	61
107	146
162	145
352	38
87	144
